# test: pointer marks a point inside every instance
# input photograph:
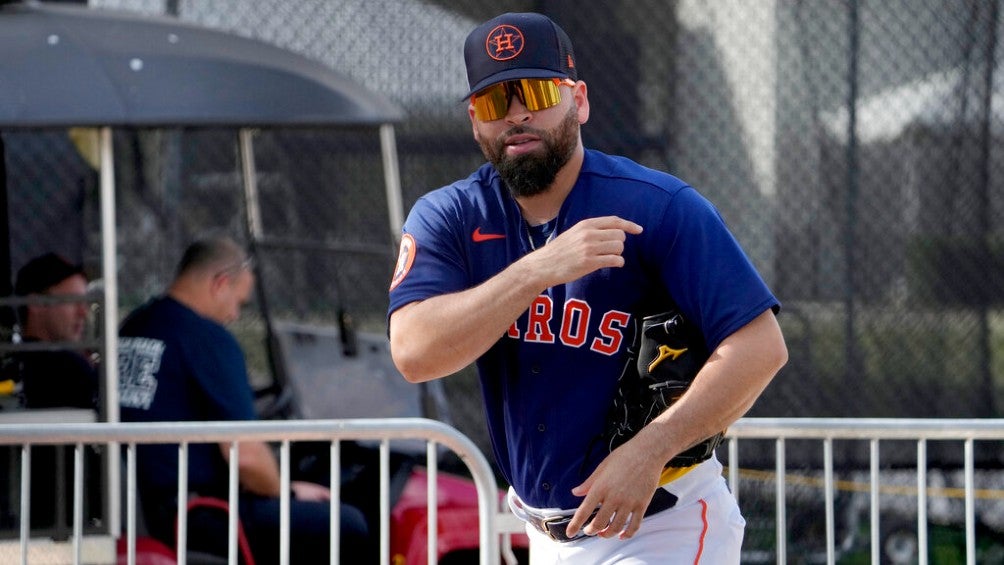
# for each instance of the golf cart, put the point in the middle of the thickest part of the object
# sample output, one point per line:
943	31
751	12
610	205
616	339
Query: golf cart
155	86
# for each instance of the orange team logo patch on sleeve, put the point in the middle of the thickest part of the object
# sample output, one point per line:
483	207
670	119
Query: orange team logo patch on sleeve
405	258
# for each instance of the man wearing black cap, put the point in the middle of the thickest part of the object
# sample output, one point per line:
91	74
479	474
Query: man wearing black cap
60	377
538	267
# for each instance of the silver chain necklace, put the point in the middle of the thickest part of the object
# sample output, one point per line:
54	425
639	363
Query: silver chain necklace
529	234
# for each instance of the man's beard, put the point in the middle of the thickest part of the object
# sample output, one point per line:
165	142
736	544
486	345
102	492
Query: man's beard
531	174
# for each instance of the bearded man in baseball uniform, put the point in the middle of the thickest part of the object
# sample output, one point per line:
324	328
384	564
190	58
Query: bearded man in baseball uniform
539	267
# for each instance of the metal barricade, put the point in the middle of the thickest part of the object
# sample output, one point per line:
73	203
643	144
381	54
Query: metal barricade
827	430
493	521
129	435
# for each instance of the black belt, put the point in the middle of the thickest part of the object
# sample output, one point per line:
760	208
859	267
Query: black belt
554	527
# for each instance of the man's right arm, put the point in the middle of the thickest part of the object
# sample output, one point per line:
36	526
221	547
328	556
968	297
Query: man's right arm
440	335
257	469
258	472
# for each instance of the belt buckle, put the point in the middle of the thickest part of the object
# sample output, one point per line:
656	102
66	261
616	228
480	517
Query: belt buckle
557	522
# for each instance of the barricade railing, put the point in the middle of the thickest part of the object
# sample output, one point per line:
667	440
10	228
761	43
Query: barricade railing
491	523
827	430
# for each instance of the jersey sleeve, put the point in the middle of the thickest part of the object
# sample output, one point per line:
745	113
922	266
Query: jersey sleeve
431	259
706	271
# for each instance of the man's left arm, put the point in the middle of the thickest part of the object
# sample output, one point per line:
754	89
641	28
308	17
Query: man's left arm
735	375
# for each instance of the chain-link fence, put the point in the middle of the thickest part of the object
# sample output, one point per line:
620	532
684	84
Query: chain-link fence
852	146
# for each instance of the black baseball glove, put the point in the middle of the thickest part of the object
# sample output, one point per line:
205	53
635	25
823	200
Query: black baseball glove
666	355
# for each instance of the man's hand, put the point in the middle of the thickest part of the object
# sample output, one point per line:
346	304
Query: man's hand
590	245
441	335
622	487
303	490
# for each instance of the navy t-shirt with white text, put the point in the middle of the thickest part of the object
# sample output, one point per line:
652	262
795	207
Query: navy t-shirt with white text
175	365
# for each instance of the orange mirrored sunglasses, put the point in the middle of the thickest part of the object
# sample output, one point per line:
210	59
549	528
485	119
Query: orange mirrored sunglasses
535	94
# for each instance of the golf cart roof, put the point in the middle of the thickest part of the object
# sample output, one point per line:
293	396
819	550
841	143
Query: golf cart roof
76	66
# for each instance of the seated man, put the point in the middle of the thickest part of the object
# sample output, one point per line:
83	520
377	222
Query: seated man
61	378
57	378
179	363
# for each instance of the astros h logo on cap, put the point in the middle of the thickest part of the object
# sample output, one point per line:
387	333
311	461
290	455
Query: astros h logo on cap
504	42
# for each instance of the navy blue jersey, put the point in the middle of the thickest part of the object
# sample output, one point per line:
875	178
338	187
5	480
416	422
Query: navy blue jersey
548	382
175	365
56	379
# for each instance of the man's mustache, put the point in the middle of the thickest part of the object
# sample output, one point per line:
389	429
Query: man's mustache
520	130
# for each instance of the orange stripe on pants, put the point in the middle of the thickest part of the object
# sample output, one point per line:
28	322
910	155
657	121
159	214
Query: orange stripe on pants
704	530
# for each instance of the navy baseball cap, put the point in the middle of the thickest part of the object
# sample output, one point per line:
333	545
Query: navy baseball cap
515	46
44	272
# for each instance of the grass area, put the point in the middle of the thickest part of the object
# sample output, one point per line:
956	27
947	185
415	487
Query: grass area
806	535
946	546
